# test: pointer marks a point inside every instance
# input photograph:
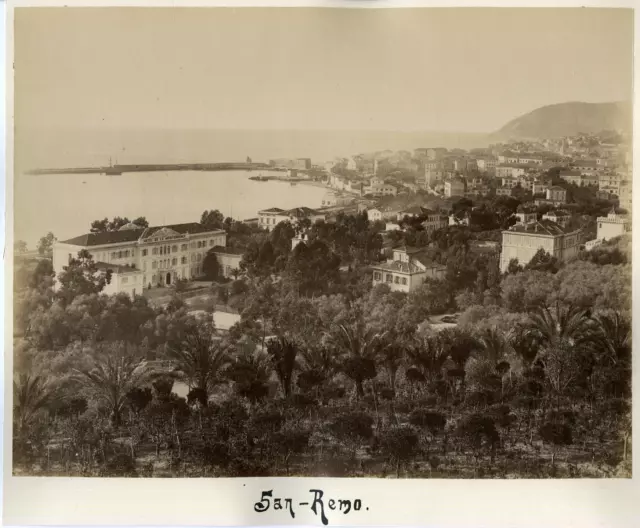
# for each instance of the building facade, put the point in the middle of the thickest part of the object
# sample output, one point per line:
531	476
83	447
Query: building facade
269	218
406	270
613	225
143	258
522	242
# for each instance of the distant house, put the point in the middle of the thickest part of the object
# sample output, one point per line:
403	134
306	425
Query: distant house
228	258
525	217
557	194
562	218
539	187
269	218
613	225
586	166
385	189
381	214
504	191
407	270
454	187
572	176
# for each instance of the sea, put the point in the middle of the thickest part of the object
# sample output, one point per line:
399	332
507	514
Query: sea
66	204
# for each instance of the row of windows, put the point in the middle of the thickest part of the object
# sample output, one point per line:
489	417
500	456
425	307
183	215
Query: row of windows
122	254
172	262
390	278
166	250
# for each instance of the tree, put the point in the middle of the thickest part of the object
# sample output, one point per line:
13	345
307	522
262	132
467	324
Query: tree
282	353
313	268
213	219
211	266
543	261
400	443
105	225
81	277
200	359
45	244
561	324
113	373
358	346
31	395
20	246
250	371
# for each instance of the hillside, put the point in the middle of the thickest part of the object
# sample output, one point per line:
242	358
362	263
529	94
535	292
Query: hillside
568	119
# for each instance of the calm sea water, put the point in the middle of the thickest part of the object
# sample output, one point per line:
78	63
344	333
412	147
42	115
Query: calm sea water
67	204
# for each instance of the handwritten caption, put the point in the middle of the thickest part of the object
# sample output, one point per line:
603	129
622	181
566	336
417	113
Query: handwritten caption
317	503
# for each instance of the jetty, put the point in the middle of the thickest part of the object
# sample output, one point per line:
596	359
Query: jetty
117	170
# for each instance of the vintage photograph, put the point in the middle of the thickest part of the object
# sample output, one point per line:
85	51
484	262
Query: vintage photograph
321	242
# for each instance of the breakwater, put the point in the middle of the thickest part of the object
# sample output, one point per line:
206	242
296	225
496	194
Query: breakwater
155	167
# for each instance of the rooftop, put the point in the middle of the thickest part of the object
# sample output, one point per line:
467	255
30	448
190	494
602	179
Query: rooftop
132	235
542	227
272	210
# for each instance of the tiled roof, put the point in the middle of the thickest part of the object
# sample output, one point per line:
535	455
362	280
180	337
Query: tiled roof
403	267
131	235
557	188
226	250
301	212
543	227
272	210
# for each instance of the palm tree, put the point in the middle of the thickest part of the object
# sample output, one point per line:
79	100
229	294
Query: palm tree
358	346
317	365
570	324
31	394
113	374
526	343
282	353
428	356
200	358
613	336
250	369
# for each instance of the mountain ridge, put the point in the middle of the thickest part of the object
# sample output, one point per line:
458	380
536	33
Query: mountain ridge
568	119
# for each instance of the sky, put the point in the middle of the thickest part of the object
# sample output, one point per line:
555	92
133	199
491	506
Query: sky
462	70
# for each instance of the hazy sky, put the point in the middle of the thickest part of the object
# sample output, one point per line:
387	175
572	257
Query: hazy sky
445	69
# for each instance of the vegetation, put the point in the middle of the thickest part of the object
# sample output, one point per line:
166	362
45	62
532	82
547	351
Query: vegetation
327	375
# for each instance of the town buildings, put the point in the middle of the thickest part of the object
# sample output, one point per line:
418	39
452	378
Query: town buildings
454	187
143	258
270	218
384	213
406	270
557	195
288	163
522	242
229	259
562	218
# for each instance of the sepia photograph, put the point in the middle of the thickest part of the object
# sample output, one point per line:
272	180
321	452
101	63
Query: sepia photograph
321	242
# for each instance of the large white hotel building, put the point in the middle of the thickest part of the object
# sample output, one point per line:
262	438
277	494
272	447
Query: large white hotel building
143	258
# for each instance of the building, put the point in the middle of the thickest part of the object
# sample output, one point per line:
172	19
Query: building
613	225
386	189
436	153
331	199
385	213
228	258
572	176
625	195
270	218
586	166
526	217
557	194
504	191
522	242
142	258
434	220
609	180
288	163
412	212
407	270
454	187
486	165
511	170
562	218
539	187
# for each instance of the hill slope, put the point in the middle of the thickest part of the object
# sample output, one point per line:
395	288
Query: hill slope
568	119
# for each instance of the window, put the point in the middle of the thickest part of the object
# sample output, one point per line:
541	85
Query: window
199	257
193	245
174	261
184	247
193	258
227	270
377	275
174	249
389	278
397	280
211	243
154	251
183	260
404	281
144	252
154	265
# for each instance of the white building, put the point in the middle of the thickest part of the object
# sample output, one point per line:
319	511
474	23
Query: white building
270	218
522	242
613	225
407	270
562	218
381	214
142	258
